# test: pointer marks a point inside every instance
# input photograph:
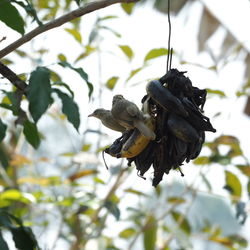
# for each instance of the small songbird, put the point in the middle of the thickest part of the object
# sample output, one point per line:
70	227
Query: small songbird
129	116
107	119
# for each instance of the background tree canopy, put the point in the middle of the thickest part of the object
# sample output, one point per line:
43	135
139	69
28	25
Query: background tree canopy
55	190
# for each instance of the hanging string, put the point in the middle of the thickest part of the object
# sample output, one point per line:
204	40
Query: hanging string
170	50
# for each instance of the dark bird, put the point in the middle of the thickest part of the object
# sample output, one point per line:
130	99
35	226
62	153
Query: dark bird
129	116
107	119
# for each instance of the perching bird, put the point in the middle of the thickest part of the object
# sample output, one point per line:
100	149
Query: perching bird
129	116
107	119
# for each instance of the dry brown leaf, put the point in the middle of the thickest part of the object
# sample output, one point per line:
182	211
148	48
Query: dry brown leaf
247	107
227	45
18	160
208	25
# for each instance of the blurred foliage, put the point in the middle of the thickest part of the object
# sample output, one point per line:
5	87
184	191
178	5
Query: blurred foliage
41	193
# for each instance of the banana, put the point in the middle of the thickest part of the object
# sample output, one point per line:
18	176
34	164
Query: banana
116	146
162	96
137	142
144	160
182	129
196	118
175	114
178	84
199	97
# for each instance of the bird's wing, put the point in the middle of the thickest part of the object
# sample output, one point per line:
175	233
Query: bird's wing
132	110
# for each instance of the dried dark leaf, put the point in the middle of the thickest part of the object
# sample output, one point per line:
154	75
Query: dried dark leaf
208	26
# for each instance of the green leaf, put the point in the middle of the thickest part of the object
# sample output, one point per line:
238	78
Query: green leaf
227	140
6	61
184	224
39	92
78	2
3	244
127	51
11	195
175	199
238	239
107	18
86	147
149	233
10	102
24	238
110	84
54	76
82	73
154	53
66	86
216	92
202	160
117	34
88	50
128	7
206	182
11	17
233	184
224	241
127	233
21	53
3	128
30	10
134	72
112	247
245	169
31	133
136	192
98	180
76	34
113	209
5	220
62	57
221	159
69	108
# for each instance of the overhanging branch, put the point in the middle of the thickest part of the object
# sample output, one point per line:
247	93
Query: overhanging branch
60	21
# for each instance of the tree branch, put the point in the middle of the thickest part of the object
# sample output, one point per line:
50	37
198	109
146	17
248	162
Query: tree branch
20	91
60	21
12	77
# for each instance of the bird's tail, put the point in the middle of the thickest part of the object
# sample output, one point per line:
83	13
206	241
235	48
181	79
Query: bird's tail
144	129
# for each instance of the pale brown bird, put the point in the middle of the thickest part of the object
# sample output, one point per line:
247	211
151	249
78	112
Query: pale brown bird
107	119
129	116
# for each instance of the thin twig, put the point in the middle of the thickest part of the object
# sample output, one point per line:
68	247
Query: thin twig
179	221
90	7
3	38
167	212
112	190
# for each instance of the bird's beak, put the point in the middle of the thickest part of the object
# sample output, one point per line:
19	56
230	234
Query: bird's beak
91	115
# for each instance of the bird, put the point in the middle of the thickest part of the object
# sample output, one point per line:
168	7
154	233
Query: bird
107	119
128	115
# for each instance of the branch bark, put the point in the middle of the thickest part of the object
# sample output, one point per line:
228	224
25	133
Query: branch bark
20	91
12	77
60	21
